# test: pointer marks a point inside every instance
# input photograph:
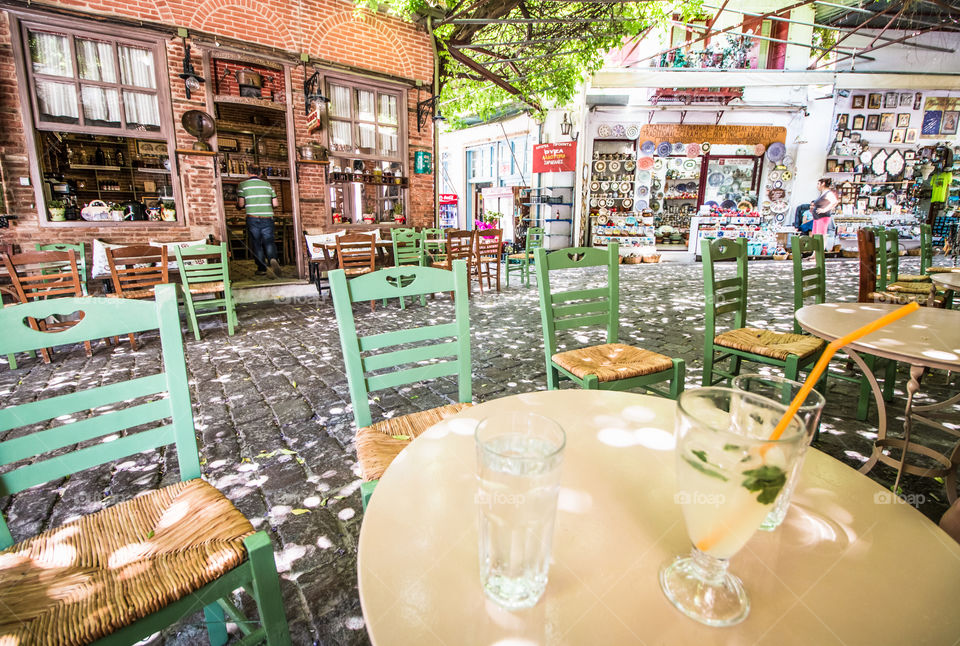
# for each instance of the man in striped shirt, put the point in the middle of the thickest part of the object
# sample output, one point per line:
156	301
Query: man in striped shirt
258	198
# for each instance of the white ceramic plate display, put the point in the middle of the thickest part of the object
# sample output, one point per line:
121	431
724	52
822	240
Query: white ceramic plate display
629	166
614	166
879	162
894	163
633	132
600	166
866	156
604	130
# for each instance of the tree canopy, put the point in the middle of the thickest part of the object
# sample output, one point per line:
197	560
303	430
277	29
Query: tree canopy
495	53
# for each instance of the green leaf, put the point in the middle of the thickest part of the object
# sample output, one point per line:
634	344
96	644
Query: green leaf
400	437
705	470
150	534
298	512
768	480
701	454
732	447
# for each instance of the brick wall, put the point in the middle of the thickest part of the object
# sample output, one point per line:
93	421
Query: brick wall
328	29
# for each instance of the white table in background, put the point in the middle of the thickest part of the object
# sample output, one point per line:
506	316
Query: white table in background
838	555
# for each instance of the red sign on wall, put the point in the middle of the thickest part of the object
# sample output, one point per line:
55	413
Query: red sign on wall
555	158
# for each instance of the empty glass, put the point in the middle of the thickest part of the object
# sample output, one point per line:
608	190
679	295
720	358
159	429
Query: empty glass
518	464
784	390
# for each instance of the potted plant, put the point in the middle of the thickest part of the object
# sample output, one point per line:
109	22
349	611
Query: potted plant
168	213
398	215
116	212
57	210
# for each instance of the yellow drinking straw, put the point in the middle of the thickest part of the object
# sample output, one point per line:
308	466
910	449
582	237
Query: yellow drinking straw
718	533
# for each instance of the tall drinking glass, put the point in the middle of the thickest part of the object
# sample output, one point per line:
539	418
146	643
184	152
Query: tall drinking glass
784	390
729	473
518	463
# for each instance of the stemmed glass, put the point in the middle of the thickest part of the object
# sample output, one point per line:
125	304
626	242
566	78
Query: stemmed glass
729	474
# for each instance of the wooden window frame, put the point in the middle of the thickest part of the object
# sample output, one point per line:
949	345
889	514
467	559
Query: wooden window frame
354	84
27	95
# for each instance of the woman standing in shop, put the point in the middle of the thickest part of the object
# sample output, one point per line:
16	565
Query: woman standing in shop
822	208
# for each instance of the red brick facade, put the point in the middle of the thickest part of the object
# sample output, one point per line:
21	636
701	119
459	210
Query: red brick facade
328	30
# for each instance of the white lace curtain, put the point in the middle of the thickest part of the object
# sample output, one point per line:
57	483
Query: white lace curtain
339	101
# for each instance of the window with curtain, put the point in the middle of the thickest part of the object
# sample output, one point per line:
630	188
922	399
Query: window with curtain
364	120
84	82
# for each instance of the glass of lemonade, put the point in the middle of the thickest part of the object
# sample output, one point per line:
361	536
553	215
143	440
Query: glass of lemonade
729	474
518	464
784	390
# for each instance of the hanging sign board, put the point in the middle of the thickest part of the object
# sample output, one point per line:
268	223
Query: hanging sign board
555	158
449	198
422	162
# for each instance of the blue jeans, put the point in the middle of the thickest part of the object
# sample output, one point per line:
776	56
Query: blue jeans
261	241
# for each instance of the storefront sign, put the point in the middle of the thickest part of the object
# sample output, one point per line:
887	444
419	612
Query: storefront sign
555	158
743	135
422	162
449	198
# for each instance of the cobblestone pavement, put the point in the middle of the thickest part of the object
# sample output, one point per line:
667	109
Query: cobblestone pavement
275	426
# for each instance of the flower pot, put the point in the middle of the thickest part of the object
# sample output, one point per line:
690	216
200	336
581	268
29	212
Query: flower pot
57	214
168	215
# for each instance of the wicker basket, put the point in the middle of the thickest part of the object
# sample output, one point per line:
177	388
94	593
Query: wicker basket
847	253
632	260
651	259
780	256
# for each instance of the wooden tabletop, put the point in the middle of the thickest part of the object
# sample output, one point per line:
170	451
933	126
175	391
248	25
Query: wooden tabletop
950	280
848	566
928	337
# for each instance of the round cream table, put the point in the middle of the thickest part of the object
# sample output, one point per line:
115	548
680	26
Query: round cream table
947	280
927	338
846	549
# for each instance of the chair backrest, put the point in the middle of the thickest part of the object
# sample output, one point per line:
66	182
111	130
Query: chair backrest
534	238
435	233
434	243
356	251
445	345
867	247
809	281
38	275
888	256
488	244
202	263
137	267
406	247
926	248
75	419
80	250
578	308
728	294
460	246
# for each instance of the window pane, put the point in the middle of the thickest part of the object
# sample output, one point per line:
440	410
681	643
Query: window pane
368	134
101	106
388	109
143	112
95	61
50	54
136	66
57	101
365	106
388	142
341	138
340	101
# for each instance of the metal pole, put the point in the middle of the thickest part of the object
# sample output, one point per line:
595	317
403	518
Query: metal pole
874	13
436	127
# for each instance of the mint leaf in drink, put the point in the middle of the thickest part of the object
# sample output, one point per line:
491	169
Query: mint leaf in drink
703	469
768	480
700	454
732	447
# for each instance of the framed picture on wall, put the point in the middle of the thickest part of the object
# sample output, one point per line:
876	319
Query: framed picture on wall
910	138
918	101
949	124
887	121
873	101
858	101
873	121
842	121
854	137
858	122
890	100
857	178
897	135
831	165
903	120
910	155
906	99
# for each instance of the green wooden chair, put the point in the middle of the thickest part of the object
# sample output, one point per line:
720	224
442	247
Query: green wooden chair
811	282
446	345
434	245
408	250
888	269
126	572
926	254
609	366
792	352
203	271
520	262
78	249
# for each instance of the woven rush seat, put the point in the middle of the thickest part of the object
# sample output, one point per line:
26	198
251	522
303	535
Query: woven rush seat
379	443
776	345
942	270
207	288
439	265
909	288
612	361
90	577
134	293
521	256
356	271
913	278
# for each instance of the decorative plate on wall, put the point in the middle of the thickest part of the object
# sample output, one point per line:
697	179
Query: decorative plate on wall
604	130
895	163
715	179
642	191
614	166
705	147
600	166
645	164
658	164
759	149
641	205
866	156
776	151
627	203
664	148
643	176
786	176
780	207
594	186
619	131
693	150
629	166
633	132
678	148
879	161
648	147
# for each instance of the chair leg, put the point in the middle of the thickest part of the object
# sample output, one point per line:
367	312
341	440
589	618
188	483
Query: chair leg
678	378
133	342
191	315
553	378
889	380
735	364
87	348
791	369
216	624
707	379
863	389
366	490
266	587
12	360
590	382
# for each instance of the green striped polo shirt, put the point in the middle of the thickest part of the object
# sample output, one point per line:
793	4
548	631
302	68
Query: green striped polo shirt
257	197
